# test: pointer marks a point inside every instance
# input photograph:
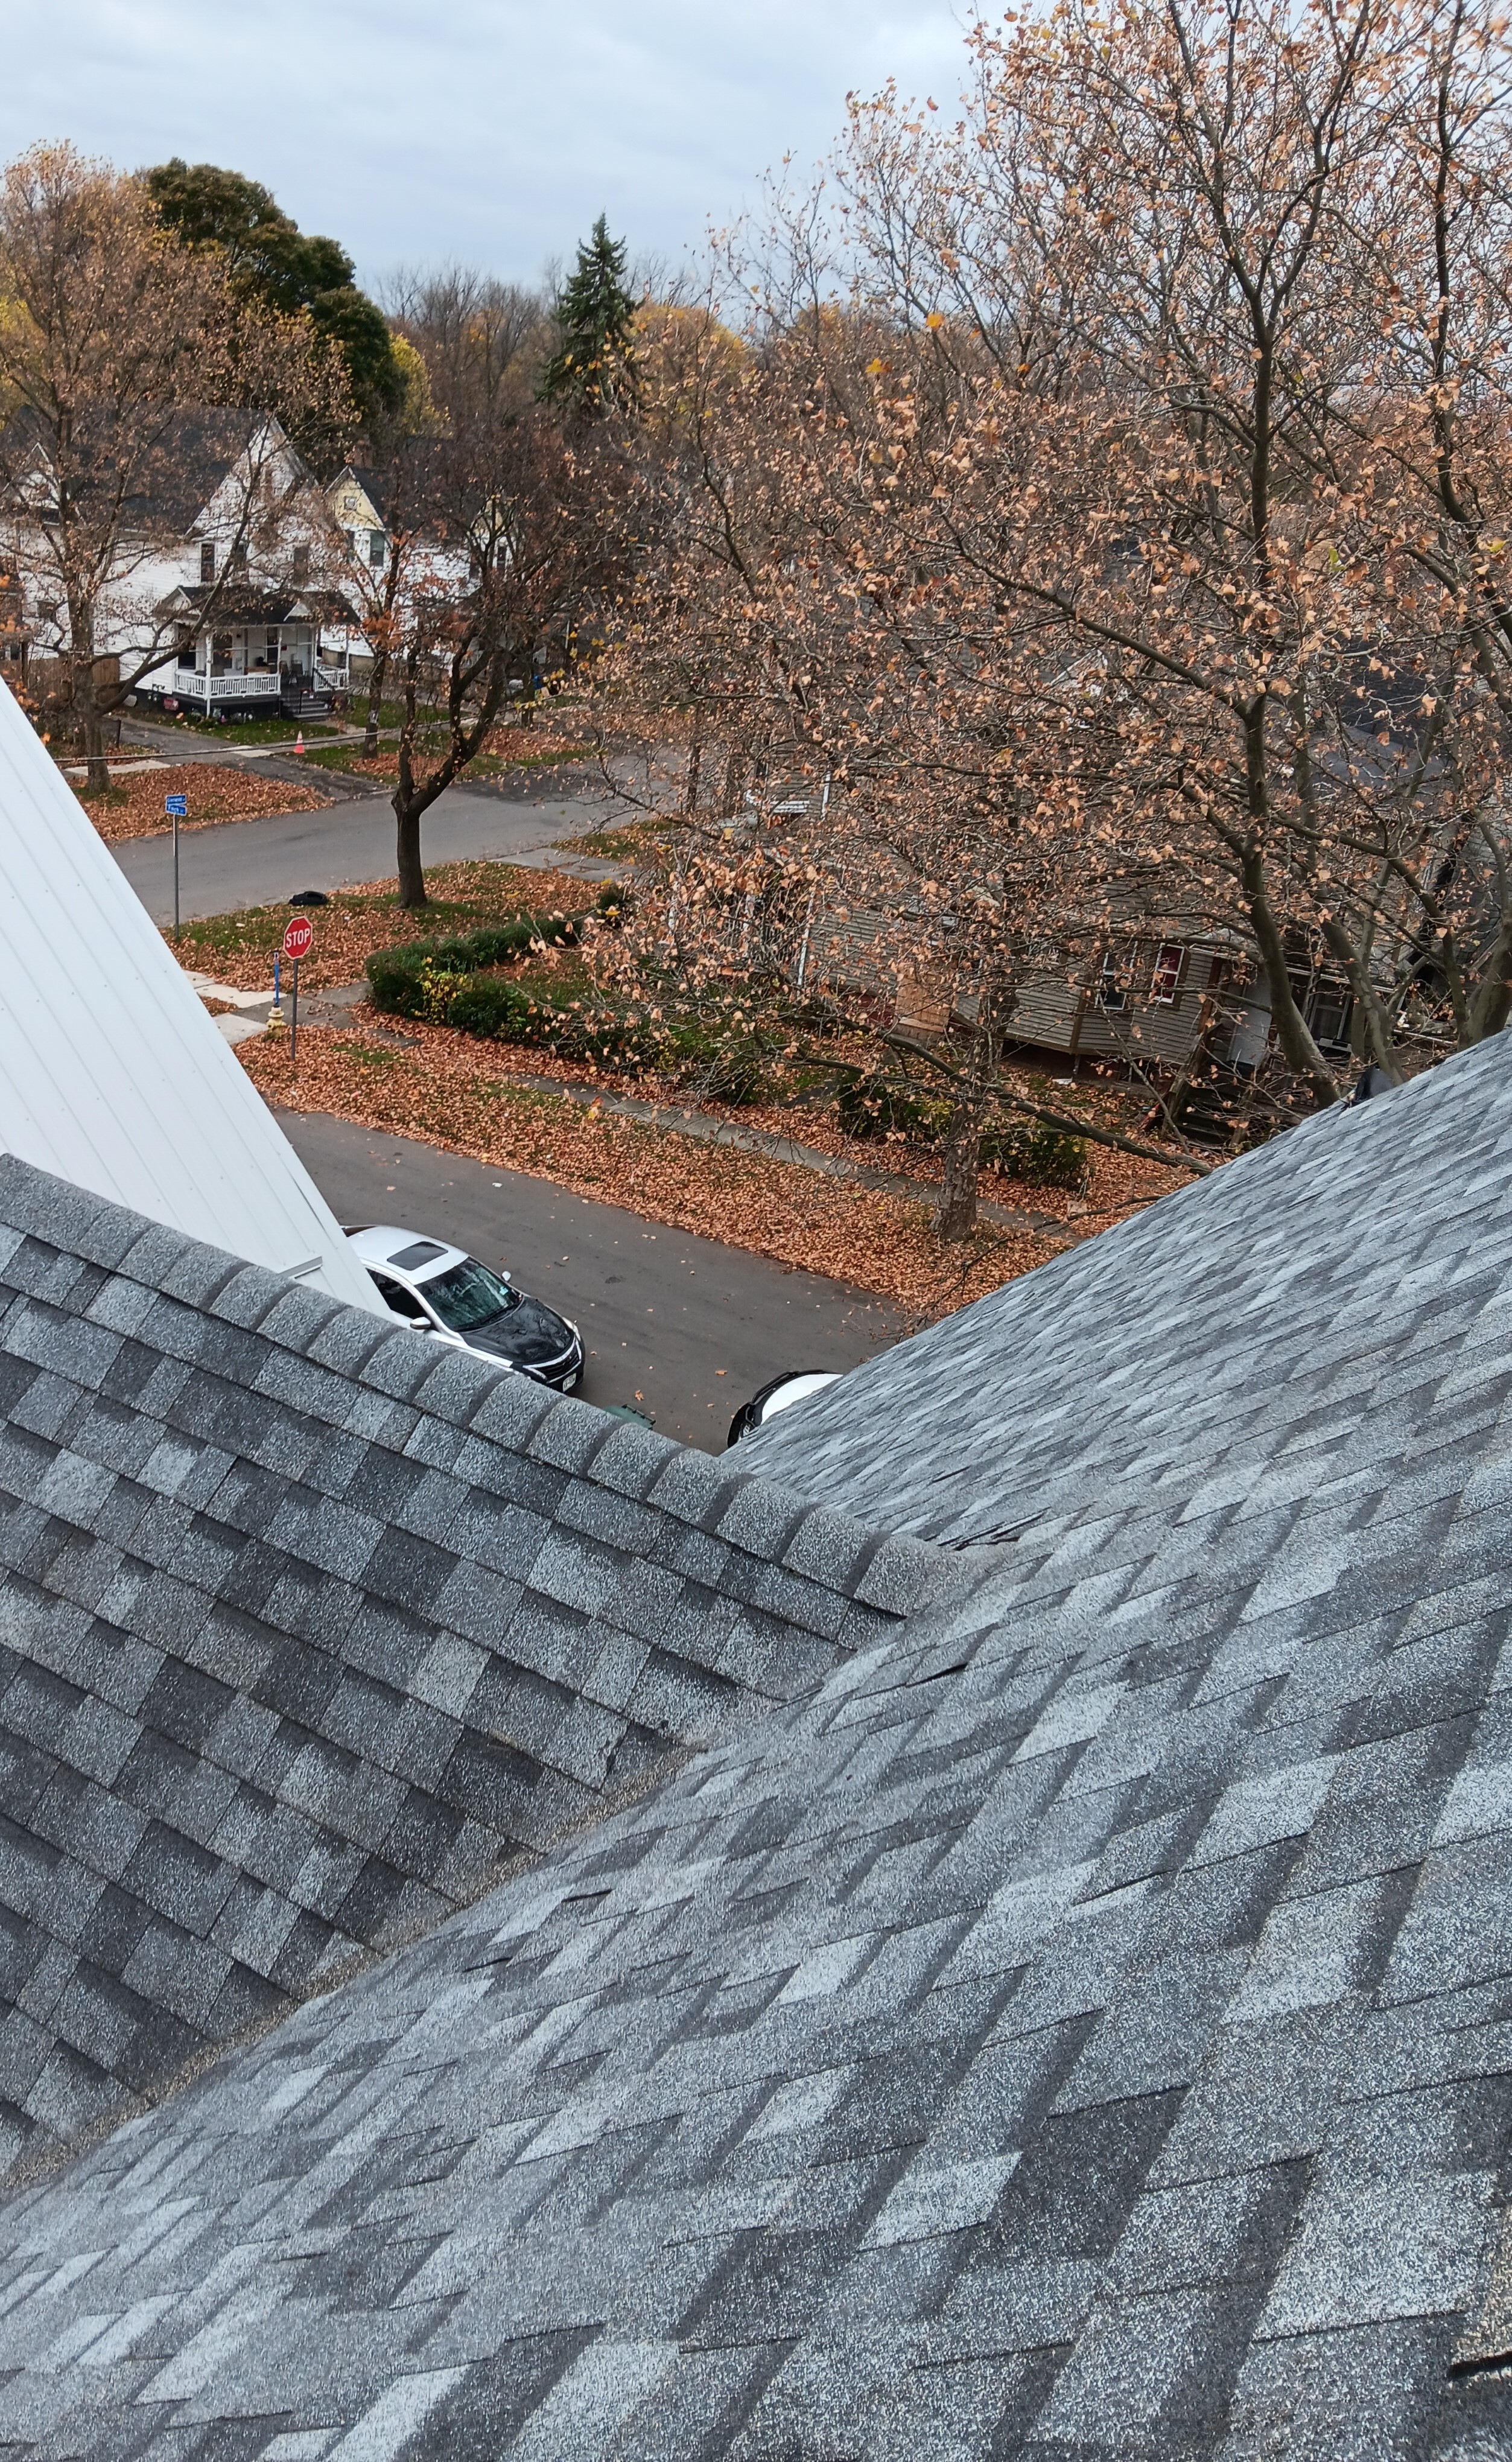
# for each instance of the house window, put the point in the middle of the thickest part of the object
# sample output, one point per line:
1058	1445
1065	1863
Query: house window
301	566
1112	994
238	562
1166	981
186	645
377	547
220	653
206	563
1328	1013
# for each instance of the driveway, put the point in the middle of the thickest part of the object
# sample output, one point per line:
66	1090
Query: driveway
259	863
673	1324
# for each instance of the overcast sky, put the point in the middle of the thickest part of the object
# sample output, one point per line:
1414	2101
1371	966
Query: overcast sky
492	131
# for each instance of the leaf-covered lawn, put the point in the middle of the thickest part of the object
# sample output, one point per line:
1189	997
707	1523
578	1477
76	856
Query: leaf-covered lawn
506	748
133	808
447	1090
238	949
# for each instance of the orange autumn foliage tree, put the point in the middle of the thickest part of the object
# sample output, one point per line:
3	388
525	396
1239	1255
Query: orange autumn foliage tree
1114	503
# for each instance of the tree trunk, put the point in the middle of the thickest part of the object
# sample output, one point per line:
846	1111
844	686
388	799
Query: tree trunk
734	782
97	781
89	719
1297	1049
411	872
370	733
957	1218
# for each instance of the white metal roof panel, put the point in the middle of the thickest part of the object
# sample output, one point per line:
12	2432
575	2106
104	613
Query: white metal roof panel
112	1073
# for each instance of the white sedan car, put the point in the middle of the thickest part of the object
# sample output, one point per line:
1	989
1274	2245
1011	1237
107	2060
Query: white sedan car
442	1291
793	1385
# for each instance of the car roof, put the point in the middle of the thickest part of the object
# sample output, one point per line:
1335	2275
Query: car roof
795	1387
379	1244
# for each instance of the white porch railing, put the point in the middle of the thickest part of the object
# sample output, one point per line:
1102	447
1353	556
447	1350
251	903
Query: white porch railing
330	679
190	686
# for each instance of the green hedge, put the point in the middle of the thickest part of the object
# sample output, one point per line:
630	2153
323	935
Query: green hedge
1021	1149
878	1107
452	983
1033	1152
408	981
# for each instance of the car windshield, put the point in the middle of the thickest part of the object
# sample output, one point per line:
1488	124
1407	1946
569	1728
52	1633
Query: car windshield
469	1295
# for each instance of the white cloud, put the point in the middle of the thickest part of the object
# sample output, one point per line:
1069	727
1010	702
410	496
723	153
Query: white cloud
490	130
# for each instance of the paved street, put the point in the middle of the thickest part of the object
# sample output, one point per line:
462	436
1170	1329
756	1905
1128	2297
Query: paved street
688	1327
256	863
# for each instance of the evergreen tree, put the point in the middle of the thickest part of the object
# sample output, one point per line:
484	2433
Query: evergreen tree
594	367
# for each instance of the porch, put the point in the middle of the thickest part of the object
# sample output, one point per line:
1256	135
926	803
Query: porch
295	691
258	655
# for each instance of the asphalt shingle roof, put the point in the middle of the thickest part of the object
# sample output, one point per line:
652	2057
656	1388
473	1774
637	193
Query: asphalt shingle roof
305	1626
1081	2026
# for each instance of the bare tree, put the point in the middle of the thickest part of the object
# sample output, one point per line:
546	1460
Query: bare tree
1195	409
505	531
483	341
114	342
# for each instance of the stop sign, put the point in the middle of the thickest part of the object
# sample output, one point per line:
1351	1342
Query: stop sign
299	937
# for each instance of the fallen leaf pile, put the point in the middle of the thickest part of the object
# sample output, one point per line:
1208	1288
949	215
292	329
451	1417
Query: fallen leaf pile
1116	1182
513	747
447	1091
134	808
238	949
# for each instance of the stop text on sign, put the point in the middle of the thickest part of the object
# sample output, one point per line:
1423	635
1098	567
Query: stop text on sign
299	937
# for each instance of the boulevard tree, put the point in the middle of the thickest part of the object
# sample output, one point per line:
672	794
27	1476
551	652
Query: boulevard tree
501	533
1196	419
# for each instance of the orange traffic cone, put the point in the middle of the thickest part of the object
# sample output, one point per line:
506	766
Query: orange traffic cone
299	742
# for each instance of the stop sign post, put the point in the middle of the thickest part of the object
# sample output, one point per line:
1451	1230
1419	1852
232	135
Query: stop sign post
298	941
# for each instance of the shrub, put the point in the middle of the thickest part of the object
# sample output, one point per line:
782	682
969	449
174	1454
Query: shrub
605	1035
876	1106
486	1005
497	943
435	987
1033	1152
737	1072
404	980
393	982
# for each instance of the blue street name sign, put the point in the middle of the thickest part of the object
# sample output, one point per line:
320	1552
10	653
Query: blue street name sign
176	806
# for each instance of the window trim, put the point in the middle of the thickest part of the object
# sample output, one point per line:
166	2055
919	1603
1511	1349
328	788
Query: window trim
1175	977
1112	996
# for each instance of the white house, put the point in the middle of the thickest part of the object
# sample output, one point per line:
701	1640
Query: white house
224	593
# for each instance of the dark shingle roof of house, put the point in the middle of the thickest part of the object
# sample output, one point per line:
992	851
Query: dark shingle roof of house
1080	2027
305	1626
175	465
241	604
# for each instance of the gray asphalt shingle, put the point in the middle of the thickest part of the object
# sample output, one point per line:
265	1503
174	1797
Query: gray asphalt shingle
1075	2022
287	1667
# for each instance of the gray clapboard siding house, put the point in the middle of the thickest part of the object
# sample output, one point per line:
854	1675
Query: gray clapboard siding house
1051	1999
